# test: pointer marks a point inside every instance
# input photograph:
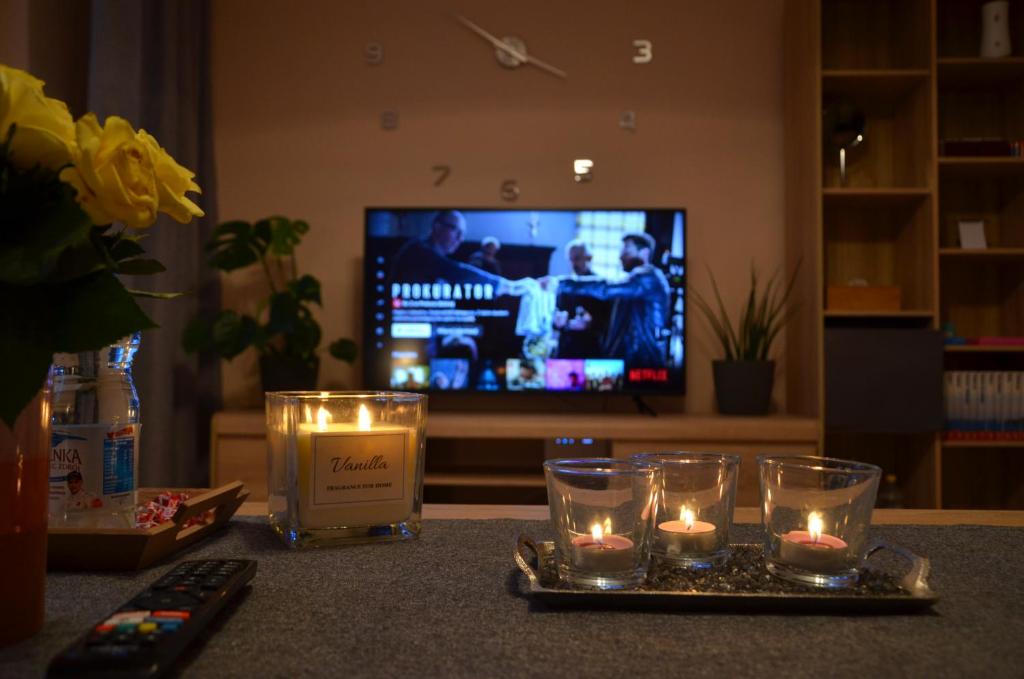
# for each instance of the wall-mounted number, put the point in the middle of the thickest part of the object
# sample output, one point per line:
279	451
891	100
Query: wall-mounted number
373	53
509	190
389	120
442	173
644	51
627	121
582	170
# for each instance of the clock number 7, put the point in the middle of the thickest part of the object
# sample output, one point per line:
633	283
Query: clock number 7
442	173
644	51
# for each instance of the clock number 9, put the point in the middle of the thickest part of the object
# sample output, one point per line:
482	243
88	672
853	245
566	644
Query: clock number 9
644	51
509	190
374	53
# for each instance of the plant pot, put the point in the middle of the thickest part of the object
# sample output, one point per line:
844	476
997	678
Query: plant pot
286	373
744	387
24	490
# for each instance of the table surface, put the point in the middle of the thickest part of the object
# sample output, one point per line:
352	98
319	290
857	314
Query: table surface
452	603
926	517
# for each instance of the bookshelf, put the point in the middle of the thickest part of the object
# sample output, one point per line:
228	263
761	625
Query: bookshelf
911	67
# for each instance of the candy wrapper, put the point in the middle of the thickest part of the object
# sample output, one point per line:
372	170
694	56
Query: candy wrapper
163	507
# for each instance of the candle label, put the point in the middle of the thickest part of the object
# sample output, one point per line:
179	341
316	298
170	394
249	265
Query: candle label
367	467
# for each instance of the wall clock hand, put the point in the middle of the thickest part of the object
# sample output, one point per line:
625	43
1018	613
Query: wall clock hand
516	51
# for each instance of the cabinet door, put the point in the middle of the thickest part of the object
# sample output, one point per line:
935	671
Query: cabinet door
883	380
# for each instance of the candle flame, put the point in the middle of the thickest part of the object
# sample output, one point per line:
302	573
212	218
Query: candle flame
597	533
815	526
322	419
687	517
364	418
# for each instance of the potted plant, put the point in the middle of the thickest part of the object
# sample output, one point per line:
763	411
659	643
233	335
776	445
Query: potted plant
745	377
283	331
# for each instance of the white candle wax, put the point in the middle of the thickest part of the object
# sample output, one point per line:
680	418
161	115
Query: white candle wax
612	554
686	536
354	474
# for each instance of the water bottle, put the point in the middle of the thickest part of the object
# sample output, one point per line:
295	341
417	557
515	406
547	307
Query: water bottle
94	447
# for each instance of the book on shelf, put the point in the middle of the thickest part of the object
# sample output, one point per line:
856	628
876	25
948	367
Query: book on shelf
984	405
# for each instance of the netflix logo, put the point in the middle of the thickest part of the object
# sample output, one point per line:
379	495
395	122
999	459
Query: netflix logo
648	375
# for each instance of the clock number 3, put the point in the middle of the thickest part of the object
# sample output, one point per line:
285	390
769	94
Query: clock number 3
644	51
374	53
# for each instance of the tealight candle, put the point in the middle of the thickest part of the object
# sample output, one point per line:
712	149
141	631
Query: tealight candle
354	473
602	552
687	535
813	549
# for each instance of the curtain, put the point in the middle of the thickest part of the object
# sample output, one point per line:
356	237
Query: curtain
149	63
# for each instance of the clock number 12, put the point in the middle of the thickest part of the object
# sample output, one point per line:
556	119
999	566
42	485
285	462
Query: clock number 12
644	51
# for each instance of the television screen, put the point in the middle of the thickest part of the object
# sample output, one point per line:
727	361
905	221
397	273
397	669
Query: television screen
525	300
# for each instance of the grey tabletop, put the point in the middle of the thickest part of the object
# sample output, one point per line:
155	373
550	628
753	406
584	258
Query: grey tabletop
451	603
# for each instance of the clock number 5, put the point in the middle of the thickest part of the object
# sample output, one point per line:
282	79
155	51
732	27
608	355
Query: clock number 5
644	51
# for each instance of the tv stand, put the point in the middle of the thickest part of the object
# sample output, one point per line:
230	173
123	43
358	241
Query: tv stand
642	407
500	454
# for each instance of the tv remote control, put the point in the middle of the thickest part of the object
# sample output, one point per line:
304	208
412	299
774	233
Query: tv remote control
145	636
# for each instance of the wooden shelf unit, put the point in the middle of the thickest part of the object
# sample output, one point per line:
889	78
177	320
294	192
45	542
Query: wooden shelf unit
497	457
912	67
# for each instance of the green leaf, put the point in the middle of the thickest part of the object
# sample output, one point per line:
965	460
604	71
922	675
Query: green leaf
344	349
232	334
125	248
284	313
285	235
95	311
27	340
234	245
140	267
305	289
152	294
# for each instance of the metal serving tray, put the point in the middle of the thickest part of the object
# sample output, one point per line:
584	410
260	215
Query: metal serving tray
896	592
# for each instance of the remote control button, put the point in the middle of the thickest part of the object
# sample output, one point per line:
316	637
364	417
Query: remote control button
178	615
164	601
165	582
147	627
105	627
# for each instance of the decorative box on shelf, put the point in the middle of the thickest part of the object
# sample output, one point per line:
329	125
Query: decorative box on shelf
863	298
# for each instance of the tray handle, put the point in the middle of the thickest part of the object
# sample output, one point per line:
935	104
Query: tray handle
209	500
523	544
916	579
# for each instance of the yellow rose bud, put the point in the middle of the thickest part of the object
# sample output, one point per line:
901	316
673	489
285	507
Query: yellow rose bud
114	173
172	181
45	133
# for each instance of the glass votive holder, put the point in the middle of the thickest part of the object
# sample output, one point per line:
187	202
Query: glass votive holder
345	467
816	513
602	511
695	506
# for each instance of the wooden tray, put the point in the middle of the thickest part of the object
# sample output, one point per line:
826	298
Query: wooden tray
126	549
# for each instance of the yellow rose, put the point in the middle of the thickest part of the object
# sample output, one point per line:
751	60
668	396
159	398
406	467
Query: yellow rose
45	133
113	173
172	181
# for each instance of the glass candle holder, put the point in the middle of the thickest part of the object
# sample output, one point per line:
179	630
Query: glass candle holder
695	506
602	511
345	467
816	513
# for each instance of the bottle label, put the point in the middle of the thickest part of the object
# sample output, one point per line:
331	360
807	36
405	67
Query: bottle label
363	467
92	467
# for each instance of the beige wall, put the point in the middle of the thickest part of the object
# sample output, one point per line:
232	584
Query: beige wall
296	116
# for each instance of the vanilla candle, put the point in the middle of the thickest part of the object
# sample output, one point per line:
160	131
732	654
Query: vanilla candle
354	473
687	535
814	550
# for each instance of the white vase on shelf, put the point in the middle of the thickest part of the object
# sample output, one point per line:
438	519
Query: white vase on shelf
995	29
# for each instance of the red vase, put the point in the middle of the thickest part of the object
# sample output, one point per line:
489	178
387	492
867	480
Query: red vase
24	488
